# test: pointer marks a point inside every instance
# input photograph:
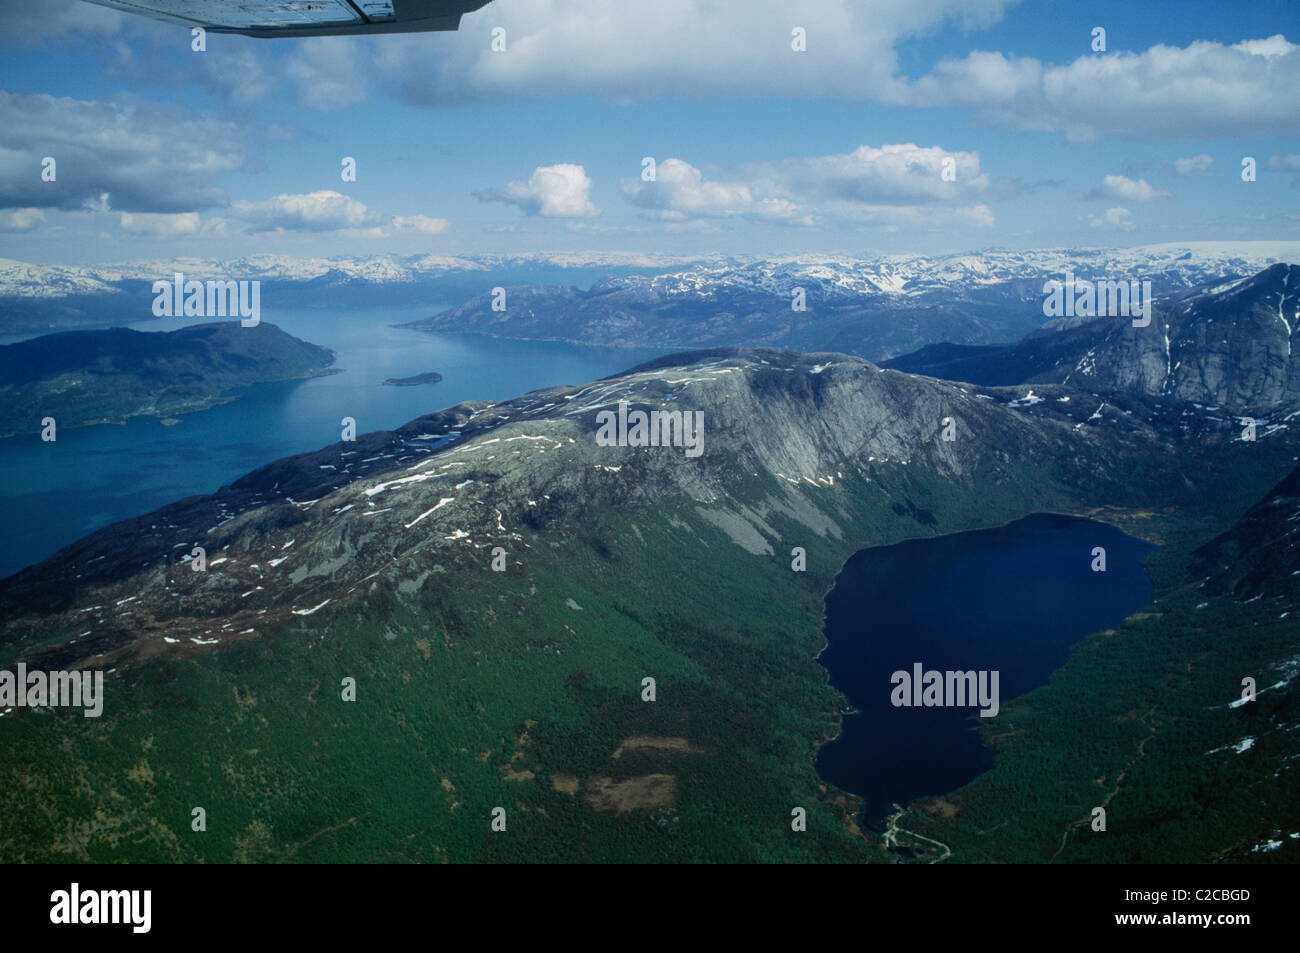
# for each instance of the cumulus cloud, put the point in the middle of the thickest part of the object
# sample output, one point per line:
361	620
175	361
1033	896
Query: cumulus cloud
1203	90
679	191
21	220
321	211
720	48
419	225
127	155
1202	164
1289	162
1119	188
1119	218
329	211
903	174
552	191
637	51
32	21
1276	45
148	223
890	183
331	72
236	72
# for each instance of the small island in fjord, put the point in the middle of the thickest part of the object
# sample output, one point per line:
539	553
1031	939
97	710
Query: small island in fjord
430	378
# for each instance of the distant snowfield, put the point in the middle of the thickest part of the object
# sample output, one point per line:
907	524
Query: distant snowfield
881	275
24	280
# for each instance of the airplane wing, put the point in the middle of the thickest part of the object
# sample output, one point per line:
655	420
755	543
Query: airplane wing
270	18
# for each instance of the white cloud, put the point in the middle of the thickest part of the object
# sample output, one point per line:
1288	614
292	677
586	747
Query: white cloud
1289	162
126	154
897	184
723	48
679	191
321	211
236	72
32	21
1276	45
1204	90
552	191
329	211
331	72
420	224
1202	164
1119	188
160	225
1119	218
902	174
21	220
630	51
980	215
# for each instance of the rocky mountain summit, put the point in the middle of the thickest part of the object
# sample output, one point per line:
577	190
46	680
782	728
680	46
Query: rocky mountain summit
1230	348
799	435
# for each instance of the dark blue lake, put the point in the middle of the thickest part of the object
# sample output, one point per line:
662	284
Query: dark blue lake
52	494
1012	599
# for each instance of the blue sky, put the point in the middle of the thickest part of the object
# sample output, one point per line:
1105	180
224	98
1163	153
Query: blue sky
162	151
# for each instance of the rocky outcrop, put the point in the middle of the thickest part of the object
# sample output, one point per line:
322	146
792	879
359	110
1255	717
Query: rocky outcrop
800	435
1229	349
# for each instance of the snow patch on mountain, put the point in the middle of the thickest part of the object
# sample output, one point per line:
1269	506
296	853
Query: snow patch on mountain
833	278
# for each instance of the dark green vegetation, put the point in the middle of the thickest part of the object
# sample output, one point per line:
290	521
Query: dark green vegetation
1141	722
522	689
432	377
490	692
90	377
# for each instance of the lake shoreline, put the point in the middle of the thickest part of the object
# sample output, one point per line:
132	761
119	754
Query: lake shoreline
853	710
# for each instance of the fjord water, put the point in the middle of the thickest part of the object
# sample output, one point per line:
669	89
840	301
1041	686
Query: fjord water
1012	599
52	494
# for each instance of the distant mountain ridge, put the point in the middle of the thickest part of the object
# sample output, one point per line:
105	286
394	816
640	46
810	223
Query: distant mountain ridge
44	298
882	273
1231	348
875	307
23	280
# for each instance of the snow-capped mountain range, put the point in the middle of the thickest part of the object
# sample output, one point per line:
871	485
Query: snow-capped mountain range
22	280
836	277
1171	267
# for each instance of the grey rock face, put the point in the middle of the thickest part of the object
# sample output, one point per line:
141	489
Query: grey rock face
804	436
1230	349
875	309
